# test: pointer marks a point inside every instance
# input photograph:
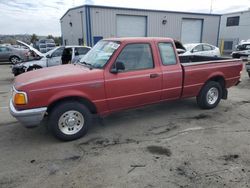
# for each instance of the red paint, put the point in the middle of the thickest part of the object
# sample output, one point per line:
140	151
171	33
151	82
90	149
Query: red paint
112	92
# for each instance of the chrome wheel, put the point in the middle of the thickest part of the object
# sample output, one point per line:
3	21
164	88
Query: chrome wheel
212	95
71	122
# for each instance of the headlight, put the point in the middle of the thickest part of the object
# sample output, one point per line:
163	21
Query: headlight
19	98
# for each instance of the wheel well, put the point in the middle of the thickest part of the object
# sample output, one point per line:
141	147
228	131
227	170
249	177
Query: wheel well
220	80
84	101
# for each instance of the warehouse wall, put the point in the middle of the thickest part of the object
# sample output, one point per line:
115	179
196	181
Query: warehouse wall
235	34
103	22
74	33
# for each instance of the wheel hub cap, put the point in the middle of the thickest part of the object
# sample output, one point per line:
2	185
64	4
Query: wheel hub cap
212	95
71	122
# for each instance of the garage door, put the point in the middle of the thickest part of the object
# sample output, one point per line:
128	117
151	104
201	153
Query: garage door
191	31
131	26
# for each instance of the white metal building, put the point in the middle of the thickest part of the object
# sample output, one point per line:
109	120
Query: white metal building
234	27
89	23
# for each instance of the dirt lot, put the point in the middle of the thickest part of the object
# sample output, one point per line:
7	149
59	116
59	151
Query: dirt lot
167	145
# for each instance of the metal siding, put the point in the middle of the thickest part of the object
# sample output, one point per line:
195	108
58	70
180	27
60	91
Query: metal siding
235	33
103	23
72	34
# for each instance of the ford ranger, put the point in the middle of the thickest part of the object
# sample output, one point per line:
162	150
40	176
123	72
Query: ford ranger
118	74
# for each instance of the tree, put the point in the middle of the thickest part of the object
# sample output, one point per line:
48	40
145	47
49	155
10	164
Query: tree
50	37
33	38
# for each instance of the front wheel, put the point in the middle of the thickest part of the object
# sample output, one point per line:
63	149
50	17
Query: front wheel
69	120
14	60
210	95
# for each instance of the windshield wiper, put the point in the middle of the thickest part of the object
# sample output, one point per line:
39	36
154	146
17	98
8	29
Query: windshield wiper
90	66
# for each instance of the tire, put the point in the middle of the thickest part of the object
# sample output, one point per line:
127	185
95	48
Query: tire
210	95
69	120
249	74
14	60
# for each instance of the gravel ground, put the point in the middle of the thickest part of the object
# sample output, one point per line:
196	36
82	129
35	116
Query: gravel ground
174	144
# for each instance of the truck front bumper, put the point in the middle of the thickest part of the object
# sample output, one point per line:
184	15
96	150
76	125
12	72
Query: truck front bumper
29	118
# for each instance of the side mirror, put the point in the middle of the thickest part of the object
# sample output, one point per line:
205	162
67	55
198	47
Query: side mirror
118	67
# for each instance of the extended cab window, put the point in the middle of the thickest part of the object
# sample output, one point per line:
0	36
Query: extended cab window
136	57
167	54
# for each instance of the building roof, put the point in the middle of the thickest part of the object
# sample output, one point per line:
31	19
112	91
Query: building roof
237	12
137	9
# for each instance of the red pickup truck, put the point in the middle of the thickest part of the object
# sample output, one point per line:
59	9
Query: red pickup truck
118	74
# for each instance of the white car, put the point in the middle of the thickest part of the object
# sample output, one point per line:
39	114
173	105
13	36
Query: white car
52	58
202	49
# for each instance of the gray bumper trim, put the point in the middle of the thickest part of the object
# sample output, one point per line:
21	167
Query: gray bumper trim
30	117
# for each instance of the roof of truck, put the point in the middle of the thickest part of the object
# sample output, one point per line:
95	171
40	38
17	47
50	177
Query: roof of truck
140	39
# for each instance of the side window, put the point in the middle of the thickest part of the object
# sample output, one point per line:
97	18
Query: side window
207	48
57	52
4	49
198	48
81	51
136	57
248	47
167	53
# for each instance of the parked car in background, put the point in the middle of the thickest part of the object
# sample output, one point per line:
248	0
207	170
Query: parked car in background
46	45
13	55
202	49
242	50
248	67
57	56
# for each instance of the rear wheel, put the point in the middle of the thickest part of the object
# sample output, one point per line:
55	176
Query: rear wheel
14	60
210	95
69	120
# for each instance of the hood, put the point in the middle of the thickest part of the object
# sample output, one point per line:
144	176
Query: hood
31	48
56	76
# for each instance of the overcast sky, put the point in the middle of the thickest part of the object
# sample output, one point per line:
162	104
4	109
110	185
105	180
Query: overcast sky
42	16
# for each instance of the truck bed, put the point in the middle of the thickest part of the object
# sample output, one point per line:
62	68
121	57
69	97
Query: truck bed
199	69
197	58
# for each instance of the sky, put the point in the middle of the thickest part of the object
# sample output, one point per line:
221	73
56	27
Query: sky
42	17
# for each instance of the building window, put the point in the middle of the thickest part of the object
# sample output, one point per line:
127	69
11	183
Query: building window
233	21
228	45
80	41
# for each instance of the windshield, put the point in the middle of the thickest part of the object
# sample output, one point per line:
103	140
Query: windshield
189	47
99	55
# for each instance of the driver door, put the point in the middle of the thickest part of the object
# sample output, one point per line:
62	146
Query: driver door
55	58
139	83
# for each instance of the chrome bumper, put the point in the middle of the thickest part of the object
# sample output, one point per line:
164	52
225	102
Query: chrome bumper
29	118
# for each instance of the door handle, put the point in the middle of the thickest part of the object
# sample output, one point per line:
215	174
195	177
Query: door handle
154	75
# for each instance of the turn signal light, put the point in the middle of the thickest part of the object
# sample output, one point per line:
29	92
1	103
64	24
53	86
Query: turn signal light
20	99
